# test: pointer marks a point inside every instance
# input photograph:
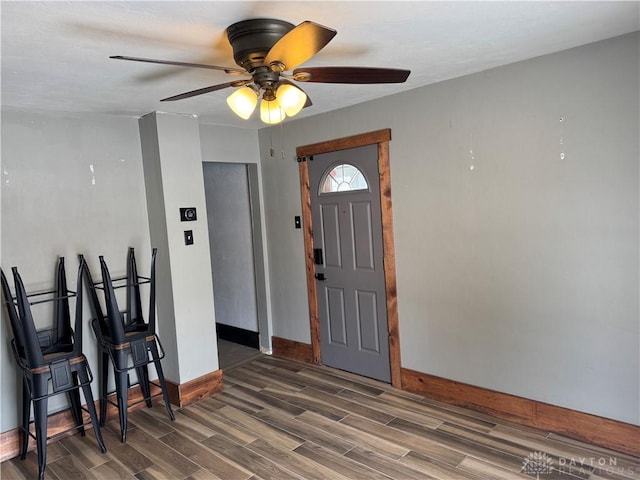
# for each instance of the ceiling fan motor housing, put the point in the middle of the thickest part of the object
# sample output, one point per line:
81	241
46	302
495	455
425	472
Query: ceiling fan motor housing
252	39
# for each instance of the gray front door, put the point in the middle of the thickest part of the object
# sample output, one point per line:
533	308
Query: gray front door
347	242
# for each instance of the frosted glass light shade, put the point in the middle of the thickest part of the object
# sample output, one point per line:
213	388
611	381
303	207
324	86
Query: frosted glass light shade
271	112
243	102
291	98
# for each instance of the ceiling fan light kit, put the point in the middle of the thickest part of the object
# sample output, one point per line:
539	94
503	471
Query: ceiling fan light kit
291	98
271	112
265	49
243	102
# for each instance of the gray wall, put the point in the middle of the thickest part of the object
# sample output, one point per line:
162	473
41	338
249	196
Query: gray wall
71	184
228	144
521	274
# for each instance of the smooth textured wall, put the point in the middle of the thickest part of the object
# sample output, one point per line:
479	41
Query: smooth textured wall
228	144
517	266
70	184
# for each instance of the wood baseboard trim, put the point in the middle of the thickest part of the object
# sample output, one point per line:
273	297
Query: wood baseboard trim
63	421
291	349
190	392
10	444
613	434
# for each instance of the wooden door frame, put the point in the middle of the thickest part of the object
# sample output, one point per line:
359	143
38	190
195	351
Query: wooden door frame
305	153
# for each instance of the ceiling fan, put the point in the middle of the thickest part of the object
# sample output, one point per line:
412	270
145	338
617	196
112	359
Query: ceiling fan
265	49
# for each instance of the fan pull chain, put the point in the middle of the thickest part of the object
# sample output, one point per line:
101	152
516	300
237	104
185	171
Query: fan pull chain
562	155
282	154
271	150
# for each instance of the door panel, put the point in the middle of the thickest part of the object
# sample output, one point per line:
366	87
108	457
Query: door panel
362	232
337	321
368	321
347	226
331	235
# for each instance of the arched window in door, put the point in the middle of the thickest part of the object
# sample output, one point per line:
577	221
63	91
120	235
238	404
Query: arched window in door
343	178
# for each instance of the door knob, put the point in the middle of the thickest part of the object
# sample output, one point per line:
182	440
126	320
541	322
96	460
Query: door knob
320	277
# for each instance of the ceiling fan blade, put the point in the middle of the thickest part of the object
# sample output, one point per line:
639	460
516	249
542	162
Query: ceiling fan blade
230	70
350	75
204	90
299	45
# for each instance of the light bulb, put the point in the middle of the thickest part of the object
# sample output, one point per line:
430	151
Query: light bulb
271	112
291	98
243	102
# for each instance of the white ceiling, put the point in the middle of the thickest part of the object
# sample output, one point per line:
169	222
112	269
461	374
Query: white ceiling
55	54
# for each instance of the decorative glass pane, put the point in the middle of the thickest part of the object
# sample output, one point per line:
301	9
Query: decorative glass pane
343	178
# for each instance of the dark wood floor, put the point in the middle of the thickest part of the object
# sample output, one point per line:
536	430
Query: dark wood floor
279	420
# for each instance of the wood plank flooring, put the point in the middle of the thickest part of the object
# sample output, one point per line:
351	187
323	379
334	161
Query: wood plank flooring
230	353
278	420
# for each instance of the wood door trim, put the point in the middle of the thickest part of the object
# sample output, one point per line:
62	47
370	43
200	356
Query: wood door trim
337	144
381	138
384	168
312	292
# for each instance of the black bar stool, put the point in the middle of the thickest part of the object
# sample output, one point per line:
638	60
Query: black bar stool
126	339
51	360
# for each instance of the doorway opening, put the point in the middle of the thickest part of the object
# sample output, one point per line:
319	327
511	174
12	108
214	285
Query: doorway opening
235	241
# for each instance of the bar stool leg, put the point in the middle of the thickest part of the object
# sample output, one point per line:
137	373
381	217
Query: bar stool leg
122	390
26	415
104	381
40	420
88	396
143	381
76	406
165	394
